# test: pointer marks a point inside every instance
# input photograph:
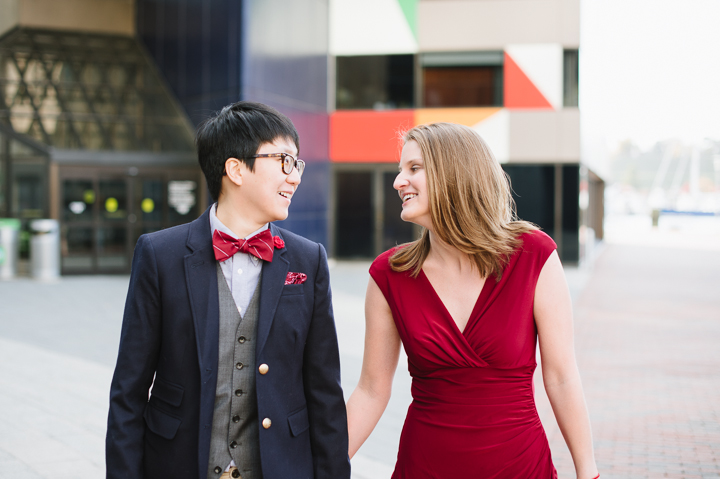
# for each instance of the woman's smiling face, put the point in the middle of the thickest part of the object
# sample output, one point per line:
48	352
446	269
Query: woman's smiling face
411	185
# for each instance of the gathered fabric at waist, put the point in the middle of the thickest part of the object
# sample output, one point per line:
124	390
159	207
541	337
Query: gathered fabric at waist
484	418
474	386
476	397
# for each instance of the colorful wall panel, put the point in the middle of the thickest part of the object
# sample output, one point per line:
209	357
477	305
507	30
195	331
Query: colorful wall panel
369	136
533	76
513	135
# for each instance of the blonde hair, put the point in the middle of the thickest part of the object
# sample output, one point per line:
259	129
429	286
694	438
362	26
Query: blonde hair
471	206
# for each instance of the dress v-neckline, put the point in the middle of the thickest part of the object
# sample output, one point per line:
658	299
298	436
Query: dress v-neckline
473	313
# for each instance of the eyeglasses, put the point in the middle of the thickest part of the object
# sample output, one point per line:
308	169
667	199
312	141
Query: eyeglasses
288	162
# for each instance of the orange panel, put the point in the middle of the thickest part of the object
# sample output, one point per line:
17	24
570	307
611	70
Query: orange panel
520	91
463	116
368	136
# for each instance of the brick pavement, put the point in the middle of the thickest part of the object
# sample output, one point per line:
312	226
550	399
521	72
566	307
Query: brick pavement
647	328
648	348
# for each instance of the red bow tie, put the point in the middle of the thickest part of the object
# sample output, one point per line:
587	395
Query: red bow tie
260	245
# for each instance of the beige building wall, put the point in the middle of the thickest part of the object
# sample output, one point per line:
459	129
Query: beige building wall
8	15
462	25
106	16
540	136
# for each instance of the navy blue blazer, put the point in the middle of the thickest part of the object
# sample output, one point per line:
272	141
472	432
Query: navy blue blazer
169	340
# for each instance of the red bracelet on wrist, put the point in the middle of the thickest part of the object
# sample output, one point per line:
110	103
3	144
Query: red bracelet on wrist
597	477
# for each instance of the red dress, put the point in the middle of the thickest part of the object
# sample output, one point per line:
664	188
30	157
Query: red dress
473	412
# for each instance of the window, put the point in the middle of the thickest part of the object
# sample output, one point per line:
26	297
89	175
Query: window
462	79
570	78
377	81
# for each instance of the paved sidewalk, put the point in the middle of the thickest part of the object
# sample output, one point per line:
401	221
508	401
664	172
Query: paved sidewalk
647	329
648	348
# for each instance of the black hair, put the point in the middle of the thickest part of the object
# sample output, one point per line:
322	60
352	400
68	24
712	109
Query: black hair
237	131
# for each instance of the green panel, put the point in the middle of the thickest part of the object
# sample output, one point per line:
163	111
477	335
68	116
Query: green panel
409	8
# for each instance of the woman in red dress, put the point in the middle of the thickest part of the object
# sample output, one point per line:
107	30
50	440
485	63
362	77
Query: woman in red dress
469	301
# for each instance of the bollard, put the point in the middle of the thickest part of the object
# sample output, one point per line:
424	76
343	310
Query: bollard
45	249
655	217
9	247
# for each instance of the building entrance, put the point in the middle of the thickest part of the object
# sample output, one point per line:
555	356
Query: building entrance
103	213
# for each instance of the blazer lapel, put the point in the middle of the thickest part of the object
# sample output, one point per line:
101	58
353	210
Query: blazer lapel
201	280
271	284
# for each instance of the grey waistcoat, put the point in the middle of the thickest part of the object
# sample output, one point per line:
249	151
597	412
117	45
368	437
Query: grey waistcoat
235	434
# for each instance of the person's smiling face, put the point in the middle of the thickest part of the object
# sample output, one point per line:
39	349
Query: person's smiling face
411	184
266	192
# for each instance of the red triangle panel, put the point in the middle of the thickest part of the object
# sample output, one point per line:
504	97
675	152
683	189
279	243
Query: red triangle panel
520	91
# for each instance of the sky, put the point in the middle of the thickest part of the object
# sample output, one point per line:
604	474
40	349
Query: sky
649	71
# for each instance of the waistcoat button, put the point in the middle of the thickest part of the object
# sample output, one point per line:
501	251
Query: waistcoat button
241	339
239	366
267	423
235	473
233	444
238	392
217	470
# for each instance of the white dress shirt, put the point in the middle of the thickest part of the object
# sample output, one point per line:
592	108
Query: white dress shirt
242	271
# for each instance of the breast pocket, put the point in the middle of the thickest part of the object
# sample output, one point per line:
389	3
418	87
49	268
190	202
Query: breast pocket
293	289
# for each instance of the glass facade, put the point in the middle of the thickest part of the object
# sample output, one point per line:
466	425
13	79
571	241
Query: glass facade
23	177
85	122
354	223
285	65
84	91
197	46
375	81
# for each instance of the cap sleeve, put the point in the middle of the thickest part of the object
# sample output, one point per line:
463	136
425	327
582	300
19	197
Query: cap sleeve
380	271
540	245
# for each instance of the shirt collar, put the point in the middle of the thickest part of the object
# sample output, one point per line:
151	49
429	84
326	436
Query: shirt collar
216	224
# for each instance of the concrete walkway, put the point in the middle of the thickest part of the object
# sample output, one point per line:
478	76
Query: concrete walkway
647	329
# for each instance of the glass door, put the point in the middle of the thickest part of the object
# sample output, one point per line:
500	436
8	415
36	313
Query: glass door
78	224
113	224
96	219
105	212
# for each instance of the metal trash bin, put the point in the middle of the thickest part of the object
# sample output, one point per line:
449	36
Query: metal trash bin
45	249
9	247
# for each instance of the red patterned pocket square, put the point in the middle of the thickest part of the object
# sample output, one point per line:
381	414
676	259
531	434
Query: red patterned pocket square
295	278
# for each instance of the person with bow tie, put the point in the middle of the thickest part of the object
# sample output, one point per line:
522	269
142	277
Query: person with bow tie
228	365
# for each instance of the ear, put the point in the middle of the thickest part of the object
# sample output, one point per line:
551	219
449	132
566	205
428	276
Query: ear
234	169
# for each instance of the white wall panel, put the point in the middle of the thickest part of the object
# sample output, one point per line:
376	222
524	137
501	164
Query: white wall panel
495	130
369	27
